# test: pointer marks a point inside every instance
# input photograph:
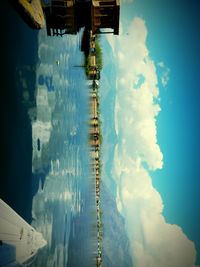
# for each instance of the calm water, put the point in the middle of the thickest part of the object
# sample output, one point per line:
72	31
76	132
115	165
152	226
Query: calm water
45	171
61	209
45	174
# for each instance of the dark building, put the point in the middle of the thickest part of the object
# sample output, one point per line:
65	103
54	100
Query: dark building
61	17
68	16
105	15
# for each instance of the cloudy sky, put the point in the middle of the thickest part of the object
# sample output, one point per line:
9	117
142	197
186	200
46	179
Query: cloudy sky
157	106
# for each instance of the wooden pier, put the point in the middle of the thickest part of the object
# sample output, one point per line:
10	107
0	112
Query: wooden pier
68	16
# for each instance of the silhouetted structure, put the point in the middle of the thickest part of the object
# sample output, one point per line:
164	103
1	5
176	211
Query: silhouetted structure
68	16
105	15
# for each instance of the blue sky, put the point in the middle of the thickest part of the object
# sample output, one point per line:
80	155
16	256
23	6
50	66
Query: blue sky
174	38
157	112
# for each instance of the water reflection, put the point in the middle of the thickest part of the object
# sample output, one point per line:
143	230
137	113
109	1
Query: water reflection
60	166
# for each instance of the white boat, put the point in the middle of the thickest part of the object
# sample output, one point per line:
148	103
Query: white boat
19	241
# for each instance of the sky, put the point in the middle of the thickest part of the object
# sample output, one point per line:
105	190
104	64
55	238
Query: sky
157	106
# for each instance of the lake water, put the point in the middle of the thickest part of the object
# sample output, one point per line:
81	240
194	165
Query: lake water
45	172
61	208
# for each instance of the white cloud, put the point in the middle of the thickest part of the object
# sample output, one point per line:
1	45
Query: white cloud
165	73
154	242
165	77
161	64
